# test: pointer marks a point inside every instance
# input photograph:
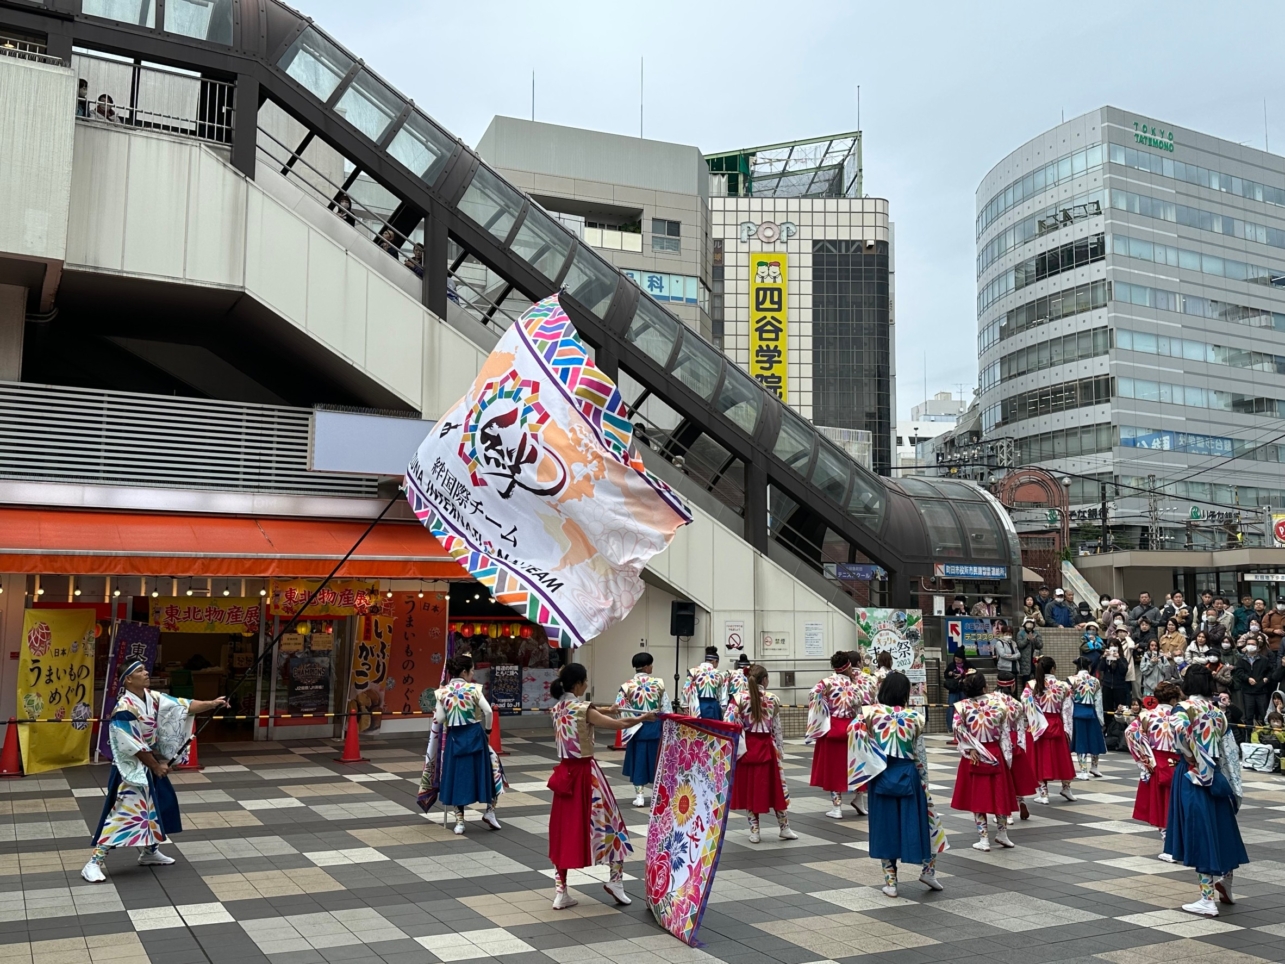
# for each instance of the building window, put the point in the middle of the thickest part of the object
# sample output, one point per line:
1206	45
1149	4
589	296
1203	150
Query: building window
666	235
716	315
1056	398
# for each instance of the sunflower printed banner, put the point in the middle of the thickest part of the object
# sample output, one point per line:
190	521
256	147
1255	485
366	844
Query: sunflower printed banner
688	819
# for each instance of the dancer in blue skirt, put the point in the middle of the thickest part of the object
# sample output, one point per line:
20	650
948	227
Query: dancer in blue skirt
705	691
643	693
1087	741
1206	793
463	717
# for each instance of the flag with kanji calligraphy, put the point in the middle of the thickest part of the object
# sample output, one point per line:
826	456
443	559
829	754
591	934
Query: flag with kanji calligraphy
533	484
131	641
688	819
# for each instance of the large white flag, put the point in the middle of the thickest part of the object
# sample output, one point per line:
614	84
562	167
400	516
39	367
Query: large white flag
532	483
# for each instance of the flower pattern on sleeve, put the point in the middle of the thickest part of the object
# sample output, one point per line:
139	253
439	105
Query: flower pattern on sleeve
979	721
836	695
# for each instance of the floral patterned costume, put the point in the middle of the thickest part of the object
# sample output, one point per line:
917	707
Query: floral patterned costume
1022	767
832	704
141	810
1048	718
1086	715
1150	741
982	729
760	784
459	765
585	826
643	693
705	691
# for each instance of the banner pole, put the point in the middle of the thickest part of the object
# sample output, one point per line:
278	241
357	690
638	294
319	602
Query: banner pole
107	685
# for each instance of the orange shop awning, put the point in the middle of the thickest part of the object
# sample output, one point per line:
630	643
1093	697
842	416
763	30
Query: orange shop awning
72	542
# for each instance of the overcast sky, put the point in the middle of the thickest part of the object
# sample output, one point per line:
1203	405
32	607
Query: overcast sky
947	90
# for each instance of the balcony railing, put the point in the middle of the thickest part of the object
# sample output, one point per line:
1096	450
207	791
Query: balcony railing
57	434
139	95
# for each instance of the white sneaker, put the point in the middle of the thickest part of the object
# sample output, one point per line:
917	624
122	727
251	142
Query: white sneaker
1066	792
93	872
836	813
491	820
459	829
1082	775
616	888
1206	908
1095	772
788	834
563	900
1167	858
859	805
638	800
889	890
983	845
1042	798
1223	887
154	858
754	836
1001	838
931	882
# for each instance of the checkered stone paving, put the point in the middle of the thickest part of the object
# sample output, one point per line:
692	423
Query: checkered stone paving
291	858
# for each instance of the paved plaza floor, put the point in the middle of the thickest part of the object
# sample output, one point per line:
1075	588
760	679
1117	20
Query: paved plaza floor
291	858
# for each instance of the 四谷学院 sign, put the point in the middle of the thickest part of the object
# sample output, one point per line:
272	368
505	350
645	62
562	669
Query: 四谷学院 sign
769	332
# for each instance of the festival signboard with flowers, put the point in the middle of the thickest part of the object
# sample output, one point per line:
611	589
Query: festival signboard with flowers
55	683
899	632
688	819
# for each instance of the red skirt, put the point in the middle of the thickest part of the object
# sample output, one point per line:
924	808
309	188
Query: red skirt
569	834
830	757
1023	769
1152	802
757	785
1053	752
985	789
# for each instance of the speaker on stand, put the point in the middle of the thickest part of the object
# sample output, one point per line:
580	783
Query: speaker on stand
682	622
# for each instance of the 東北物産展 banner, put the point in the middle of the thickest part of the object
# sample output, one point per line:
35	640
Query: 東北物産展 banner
55	682
532	483
769	329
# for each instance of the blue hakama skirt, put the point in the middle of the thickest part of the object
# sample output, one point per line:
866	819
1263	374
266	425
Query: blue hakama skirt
898	822
1086	734
1202	832
641	753
711	709
466	767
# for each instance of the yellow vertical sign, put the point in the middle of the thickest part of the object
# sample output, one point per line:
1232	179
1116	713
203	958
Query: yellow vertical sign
769	333
55	682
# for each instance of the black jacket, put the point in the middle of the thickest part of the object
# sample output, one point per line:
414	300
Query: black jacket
1259	669
1113	674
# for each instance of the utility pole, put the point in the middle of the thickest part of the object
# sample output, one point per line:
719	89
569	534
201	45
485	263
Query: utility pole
1102	540
1153	515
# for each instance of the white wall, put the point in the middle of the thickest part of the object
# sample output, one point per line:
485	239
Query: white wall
154	206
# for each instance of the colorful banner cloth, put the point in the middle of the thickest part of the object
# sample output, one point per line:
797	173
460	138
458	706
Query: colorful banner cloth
55	682
418	652
532	483
133	641
688	819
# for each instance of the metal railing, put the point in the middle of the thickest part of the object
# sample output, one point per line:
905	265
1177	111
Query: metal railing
151	98
22	49
58	434
466	277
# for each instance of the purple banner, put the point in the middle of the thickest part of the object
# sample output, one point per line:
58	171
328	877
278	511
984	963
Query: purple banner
133	641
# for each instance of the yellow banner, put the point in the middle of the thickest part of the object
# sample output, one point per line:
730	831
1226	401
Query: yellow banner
179	614
371	679
769	331
56	682
348	597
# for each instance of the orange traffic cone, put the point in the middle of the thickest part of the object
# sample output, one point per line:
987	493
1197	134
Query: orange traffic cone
352	741
10	758
496	745
620	740
192	762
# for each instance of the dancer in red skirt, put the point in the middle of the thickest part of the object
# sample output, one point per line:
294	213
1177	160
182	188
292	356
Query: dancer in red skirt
1023	767
1048	718
759	785
1150	740
833	703
983	784
585	826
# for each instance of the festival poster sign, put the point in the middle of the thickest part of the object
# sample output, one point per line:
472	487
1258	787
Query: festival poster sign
341	597
133	641
179	614
688	819
418	652
55	682
971	636
307	683
769	328
370	677
533	484
899	632
506	689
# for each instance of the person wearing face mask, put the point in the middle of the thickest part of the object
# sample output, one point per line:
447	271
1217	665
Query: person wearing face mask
986	608
1255	676
1091	645
1113	672
1214	630
958	607
1220	665
1103	612
1273	623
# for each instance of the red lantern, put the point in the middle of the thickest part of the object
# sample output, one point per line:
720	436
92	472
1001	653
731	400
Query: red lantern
527	632
480	629
455	627
467	631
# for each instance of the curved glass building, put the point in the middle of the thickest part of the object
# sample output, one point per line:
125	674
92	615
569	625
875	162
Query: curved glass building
1131	323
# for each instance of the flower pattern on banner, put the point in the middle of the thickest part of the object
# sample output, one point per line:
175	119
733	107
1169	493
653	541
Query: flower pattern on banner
836	695
1055	699
688	819
1152	730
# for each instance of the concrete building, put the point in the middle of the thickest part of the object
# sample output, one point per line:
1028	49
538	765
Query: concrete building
930	418
1131	322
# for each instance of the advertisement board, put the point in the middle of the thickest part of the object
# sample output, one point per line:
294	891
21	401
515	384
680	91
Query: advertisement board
769	329
899	632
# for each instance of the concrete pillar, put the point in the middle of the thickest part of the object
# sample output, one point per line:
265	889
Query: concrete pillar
12	604
13	319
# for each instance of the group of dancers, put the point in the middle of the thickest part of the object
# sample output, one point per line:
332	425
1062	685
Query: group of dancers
867	740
